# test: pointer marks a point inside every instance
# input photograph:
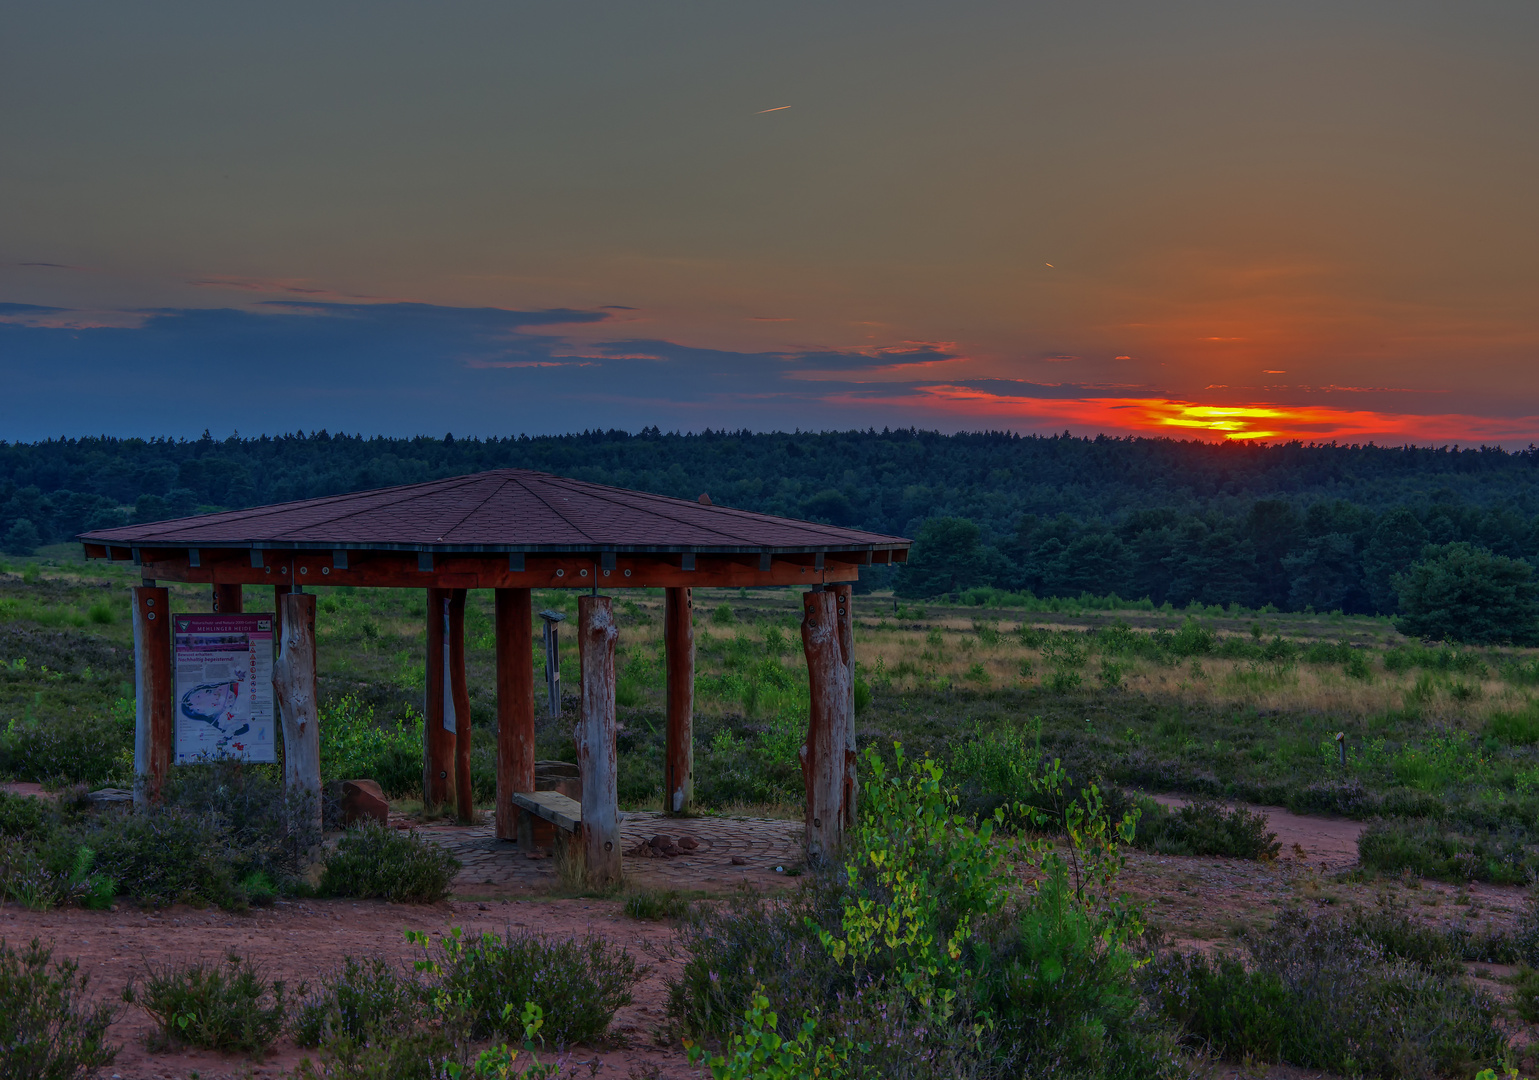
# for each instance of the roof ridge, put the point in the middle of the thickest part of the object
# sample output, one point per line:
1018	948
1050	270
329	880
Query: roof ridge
559	515
447	481
677	520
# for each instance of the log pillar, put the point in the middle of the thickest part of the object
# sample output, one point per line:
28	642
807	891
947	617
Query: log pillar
438	749
515	706
679	757
459	704
828	757
279	592
596	752
154	691
299	703
228	599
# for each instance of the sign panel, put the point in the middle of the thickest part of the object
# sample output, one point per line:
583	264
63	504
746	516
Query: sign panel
224	687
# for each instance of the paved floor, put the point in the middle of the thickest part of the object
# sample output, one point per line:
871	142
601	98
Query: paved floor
495	868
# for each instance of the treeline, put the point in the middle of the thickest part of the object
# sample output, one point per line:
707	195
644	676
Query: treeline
1288	525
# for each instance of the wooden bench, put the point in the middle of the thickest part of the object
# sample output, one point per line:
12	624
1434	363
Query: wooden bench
560	810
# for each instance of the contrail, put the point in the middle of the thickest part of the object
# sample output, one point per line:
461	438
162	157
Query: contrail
777	108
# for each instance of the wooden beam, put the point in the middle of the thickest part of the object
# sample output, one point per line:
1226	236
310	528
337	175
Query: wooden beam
562	811
154	691
394	569
679	755
459	697
228	599
515	705
437	742
299	704
828	757
596	752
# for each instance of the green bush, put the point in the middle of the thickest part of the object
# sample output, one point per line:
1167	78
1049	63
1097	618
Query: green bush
355	745
1520	728
1321	993
218	1007
1205	827
1435	849
657	906
359	1001
1463	593
47	1030
372	861
578	984
70	749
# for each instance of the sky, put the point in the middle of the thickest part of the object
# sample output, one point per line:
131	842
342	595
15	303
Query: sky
1232	220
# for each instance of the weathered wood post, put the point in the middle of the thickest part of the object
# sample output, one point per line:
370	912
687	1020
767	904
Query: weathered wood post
154	693
437	740
459	702
298	702
515	707
228	599
828	757
279	592
679	757
596	753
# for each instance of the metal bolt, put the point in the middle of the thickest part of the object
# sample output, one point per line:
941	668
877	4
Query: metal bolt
817	823
609	845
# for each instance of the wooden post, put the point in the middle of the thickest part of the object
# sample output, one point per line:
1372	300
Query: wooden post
596	753
679	757
228	599
298	702
279	592
154	690
459	700
515	705
437	742
828	758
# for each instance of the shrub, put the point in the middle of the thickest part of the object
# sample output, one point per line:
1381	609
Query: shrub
47	1030
722	615
578	984
1520	728
1434	849
391	864
1204	827
356	745
1321	993
1463	593
359	1001
69	749
218	1007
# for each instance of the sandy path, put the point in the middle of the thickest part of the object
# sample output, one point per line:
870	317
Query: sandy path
1329	843
297	941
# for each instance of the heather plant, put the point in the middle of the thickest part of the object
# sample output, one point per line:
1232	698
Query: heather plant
230	1006
48	1029
373	861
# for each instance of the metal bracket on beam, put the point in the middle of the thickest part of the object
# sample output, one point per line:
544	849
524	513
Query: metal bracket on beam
135	553
606	560
193	558
687	561
516	562
256	558
425	561
765	560
817	561
339	559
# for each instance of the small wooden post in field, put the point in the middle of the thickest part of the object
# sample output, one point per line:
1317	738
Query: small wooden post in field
298	701
459	701
828	756
515	706
154	691
437	742
228	599
596	753
679	643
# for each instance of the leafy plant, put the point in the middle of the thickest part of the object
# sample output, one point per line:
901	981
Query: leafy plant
47	1030
219	1007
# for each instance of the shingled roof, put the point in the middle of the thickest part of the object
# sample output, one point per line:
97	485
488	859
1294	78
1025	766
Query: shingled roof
502	510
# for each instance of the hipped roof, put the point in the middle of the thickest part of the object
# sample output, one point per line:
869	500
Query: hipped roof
501	510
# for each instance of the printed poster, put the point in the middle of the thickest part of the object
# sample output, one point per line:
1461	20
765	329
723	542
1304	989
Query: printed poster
224	687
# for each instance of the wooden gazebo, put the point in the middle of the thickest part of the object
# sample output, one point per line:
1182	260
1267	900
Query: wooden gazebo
512	531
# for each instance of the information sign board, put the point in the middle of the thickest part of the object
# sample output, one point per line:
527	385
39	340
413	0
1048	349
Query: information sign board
224	687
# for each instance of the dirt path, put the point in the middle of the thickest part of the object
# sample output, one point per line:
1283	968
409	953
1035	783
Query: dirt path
302	940
1330	843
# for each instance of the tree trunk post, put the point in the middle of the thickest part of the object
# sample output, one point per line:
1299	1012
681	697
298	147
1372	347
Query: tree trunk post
515	705
828	757
459	699
154	716
228	599
596	634
279	592
437	741
679	757
299	702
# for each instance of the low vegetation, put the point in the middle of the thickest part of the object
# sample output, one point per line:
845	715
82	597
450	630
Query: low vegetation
49	1029
228	1006
375	862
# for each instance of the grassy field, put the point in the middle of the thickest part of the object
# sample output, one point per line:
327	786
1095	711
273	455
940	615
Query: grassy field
1438	743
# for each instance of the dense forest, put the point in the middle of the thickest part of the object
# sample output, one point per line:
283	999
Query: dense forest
1289	525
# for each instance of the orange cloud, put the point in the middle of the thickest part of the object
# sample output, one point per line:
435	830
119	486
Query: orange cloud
1188	419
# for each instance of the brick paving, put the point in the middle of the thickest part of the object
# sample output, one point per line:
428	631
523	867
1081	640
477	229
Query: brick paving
495	868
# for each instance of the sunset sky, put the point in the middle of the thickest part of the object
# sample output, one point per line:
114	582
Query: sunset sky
1214	220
